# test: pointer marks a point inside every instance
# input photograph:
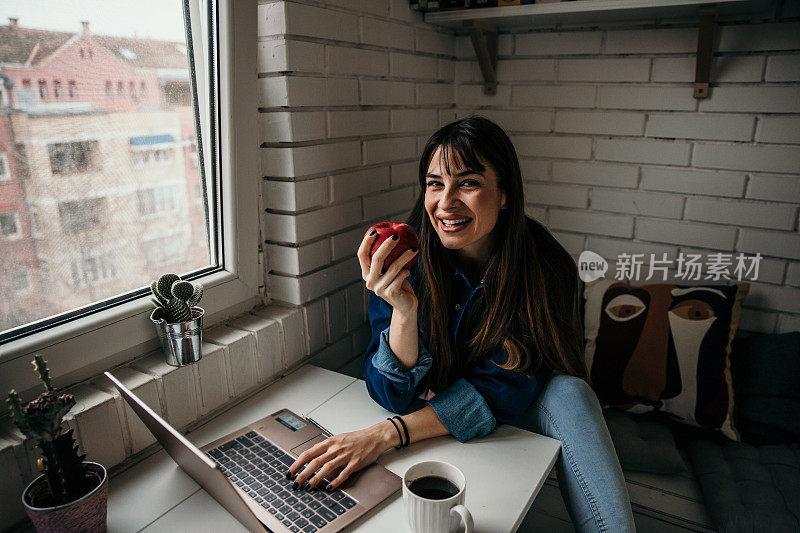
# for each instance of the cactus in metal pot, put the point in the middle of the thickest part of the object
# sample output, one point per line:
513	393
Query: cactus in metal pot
175	297
41	421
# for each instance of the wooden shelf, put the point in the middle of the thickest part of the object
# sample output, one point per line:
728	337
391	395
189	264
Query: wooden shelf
595	12
483	24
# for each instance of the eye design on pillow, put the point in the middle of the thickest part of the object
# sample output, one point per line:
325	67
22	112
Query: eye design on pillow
693	310
625	307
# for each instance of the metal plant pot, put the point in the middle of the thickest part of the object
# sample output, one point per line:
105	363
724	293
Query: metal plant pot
181	341
84	514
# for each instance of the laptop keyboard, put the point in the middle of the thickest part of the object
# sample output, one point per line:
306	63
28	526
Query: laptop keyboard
259	468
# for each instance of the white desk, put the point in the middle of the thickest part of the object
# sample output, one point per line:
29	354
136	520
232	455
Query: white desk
504	471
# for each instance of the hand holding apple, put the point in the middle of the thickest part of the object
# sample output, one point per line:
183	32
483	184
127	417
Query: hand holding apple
407	239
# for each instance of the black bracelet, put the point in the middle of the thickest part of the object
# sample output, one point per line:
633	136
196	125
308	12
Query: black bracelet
398	433
405	429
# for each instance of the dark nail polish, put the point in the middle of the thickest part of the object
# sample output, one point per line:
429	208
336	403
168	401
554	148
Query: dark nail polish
306	486
289	474
295	485
373	232
395	237
329	488
414	249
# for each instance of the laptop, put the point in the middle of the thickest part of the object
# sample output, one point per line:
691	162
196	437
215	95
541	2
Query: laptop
245	471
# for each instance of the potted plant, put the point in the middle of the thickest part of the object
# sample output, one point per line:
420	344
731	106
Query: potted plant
178	320
71	494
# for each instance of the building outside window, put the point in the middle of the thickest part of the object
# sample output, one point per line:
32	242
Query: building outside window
21	163
145	158
20	280
160	251
36	228
10	228
72	157
157	201
82	215
85	221
94	268
5	172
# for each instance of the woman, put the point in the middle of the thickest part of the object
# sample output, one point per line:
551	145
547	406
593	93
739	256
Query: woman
482	327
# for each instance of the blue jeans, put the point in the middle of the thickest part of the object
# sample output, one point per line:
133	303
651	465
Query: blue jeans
589	475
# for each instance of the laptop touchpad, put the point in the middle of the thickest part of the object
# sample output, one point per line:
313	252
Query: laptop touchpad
297	450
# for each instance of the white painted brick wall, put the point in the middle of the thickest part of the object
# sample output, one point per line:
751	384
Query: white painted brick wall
386	78
613	146
281	55
240	355
177	388
135	434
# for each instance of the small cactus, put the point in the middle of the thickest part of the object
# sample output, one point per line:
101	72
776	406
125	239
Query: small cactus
175	298
159	300
41	421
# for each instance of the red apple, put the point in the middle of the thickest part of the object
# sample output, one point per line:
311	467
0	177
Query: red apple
408	239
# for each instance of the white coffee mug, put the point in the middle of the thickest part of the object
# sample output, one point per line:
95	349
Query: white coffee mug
427	515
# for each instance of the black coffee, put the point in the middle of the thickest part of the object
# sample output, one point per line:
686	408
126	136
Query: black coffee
433	488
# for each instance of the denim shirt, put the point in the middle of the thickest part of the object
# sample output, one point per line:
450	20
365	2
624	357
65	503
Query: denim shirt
470	407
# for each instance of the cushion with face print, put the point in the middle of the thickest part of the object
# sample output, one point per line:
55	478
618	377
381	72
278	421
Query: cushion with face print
664	347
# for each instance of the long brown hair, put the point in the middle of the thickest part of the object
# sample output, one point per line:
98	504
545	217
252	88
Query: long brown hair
530	285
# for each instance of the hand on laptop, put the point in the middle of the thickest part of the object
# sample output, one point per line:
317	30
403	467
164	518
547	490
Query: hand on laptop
341	454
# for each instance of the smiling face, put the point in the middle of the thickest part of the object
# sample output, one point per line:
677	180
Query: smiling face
469	194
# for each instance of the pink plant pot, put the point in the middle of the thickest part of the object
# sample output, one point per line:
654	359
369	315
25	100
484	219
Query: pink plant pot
84	514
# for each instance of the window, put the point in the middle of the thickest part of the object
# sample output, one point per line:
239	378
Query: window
67	158
145	158
43	89
143	90
120	89
5	172
109	89
9	225
83	53
20	280
86	330
73	90
82	215
21	163
26	84
132	90
92	269
157	201
57	89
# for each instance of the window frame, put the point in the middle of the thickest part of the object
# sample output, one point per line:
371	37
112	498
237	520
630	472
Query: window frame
85	346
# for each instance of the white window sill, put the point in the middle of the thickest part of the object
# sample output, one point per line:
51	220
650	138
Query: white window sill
84	347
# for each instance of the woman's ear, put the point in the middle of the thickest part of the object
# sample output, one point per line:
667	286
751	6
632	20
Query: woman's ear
503	200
